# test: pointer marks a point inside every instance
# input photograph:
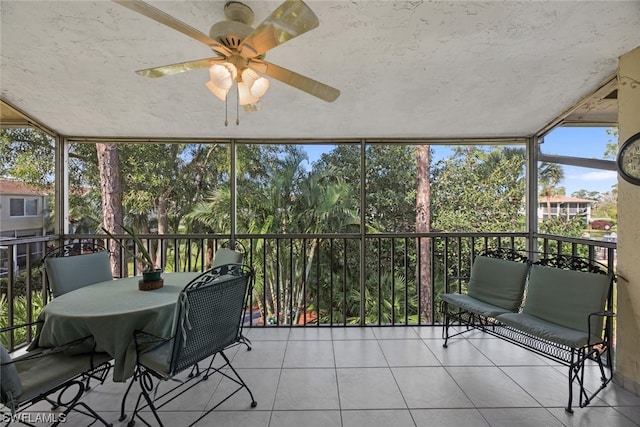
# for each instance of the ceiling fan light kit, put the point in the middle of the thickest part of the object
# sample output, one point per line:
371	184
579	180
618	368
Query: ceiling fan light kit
240	50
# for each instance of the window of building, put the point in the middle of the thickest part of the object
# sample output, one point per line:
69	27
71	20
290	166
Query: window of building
23	207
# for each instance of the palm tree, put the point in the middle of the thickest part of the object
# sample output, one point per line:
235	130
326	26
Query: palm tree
549	176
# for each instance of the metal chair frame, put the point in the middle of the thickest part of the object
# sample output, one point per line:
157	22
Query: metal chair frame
56	394
208	321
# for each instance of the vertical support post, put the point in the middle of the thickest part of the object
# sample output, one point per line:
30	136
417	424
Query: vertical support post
363	206
234	192
533	151
61	197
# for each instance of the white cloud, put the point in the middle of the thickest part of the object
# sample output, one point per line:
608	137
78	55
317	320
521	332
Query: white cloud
595	176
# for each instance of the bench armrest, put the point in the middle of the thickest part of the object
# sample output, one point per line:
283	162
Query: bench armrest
454	278
605	313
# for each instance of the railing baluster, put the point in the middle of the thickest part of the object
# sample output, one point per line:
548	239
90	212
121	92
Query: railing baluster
285	291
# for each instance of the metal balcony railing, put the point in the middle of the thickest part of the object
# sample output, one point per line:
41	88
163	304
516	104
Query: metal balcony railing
303	280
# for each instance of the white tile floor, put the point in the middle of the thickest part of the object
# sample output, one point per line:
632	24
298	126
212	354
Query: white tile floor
383	376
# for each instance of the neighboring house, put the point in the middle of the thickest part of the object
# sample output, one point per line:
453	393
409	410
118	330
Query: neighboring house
567	207
23	211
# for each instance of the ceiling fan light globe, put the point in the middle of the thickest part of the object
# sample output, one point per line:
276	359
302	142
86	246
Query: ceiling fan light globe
223	75
217	91
257	85
244	94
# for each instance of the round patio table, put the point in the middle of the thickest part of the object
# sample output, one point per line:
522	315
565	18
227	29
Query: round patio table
111	312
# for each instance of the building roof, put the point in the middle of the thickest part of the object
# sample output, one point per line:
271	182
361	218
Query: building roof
12	187
564	199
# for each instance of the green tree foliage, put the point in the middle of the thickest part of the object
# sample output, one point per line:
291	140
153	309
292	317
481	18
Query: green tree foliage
178	188
21	310
549	176
611	150
585	194
27	154
479	189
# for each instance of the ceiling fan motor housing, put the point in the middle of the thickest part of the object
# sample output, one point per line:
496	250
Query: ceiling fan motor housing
230	33
238	12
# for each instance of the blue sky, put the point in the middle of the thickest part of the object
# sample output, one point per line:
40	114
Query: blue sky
589	142
581	142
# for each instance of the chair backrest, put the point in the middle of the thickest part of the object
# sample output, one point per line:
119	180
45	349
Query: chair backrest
228	255
210	314
73	266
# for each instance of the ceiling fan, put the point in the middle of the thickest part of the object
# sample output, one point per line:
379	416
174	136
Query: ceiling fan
240	50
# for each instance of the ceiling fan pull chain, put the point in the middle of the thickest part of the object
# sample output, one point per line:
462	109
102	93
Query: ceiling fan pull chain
226	114
237	104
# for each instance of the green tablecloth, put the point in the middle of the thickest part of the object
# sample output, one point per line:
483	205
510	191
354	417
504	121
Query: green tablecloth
111	312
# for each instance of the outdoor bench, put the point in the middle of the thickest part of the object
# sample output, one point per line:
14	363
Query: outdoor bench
558	306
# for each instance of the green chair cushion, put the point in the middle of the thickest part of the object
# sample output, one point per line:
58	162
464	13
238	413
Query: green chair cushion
69	273
546	330
498	282
10	385
470	304
567	297
227	256
158	359
39	371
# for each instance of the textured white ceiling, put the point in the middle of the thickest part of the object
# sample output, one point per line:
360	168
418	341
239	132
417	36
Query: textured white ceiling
405	69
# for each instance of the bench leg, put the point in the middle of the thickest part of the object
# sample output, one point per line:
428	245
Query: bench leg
576	374
595	354
445	325
571	374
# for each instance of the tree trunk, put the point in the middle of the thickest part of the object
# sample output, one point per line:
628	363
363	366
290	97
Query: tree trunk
111	190
423	225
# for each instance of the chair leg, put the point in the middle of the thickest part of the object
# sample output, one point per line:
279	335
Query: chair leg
146	386
246	341
93	413
123	416
74	403
241	381
100	373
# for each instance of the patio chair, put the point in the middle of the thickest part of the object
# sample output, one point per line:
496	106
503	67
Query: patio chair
209	315
231	252
48	375
75	265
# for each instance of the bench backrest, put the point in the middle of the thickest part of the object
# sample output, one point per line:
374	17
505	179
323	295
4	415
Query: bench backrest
499	282
567	297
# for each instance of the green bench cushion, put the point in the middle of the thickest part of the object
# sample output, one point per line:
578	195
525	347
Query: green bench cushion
470	304
567	297
498	282
546	330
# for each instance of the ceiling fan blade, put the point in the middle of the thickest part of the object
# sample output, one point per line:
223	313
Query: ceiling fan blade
167	70
290	19
305	84
168	20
